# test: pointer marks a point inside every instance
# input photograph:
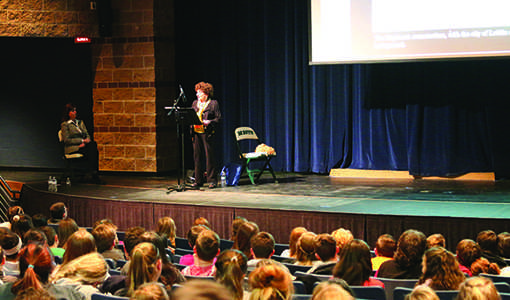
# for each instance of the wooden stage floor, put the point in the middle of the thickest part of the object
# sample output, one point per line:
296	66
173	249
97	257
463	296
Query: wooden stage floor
368	207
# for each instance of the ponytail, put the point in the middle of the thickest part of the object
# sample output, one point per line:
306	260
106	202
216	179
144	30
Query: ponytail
35	266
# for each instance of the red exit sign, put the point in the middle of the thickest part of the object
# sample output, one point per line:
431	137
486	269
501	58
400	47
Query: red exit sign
81	40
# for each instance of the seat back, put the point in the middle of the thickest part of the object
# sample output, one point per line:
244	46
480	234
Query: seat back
502	287
400	293
293	268
245	133
390	284
97	296
369	292
496	278
299	287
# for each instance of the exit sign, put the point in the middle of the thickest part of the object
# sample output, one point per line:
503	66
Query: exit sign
81	40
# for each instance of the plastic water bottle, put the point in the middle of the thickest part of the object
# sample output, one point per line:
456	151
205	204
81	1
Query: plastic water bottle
68	182
54	184
50	184
223	178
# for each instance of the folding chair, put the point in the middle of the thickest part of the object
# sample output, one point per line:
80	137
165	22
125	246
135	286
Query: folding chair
247	134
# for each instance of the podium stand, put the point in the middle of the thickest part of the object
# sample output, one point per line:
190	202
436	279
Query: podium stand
184	117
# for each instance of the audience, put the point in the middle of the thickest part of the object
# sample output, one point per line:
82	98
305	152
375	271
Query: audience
262	247
326	251
336	289
342	236
441	270
406	264
384	250
79	243
166	228
52	238
478	288
236	223
436	240
295	234
206	248
11	244
150	291
36	264
422	292
305	249
231	268
58	212
66	228
271	281
83	273
488	241
243	237
355	266
21	224
504	244
202	221
39	220
12	212
188	259
202	290
105	236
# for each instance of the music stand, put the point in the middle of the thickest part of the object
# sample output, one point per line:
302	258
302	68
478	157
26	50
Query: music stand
184	116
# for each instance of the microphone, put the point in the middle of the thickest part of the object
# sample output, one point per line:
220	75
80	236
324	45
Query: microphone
182	94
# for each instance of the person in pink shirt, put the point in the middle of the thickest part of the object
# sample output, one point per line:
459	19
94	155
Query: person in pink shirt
188	260
207	247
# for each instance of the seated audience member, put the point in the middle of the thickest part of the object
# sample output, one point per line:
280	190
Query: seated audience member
188	259
145	267
478	288
11	244
342	236
504	244
207	247
131	239
58	212
11	213
202	221
35	236
79	243
236	223
262	247
231	268
406	264
166	228
326	251
488	241
33	294
170	275
84	273
354	265
467	252
203	290
436	240
441	270
305	250
422	292
243	238
36	264
482	265
105	237
384	250
52	238
21	224
66	227
270	281
150	291
295	234
39	220
332	290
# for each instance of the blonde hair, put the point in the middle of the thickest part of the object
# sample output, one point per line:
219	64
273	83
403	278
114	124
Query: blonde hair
330	291
143	266
478	288
422	292
88	269
166	228
271	282
342	237
150	291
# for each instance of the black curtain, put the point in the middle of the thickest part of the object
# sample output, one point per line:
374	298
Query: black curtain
431	118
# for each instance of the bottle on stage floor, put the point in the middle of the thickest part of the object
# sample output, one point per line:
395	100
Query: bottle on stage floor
223	178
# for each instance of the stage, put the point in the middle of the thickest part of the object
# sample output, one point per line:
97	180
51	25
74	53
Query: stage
368	207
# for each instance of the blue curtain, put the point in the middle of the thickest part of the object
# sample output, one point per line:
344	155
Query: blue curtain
429	118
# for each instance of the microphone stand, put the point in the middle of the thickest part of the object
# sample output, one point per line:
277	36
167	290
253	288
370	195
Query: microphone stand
180	135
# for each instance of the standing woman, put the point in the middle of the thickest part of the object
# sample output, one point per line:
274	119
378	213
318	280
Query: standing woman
208	111
76	139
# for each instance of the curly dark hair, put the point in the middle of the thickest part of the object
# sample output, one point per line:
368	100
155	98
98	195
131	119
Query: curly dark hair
205	87
442	268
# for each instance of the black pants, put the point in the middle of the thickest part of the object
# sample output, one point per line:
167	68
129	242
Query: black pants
203	145
91	155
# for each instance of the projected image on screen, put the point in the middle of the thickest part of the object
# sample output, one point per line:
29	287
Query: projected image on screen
354	31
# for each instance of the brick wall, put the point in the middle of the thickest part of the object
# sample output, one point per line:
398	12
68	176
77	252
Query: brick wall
125	89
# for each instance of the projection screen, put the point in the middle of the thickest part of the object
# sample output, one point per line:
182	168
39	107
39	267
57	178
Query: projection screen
367	31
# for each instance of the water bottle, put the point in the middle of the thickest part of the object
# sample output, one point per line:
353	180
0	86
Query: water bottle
68	182
223	178
55	189
50	184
